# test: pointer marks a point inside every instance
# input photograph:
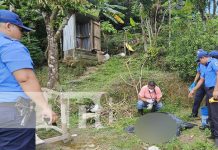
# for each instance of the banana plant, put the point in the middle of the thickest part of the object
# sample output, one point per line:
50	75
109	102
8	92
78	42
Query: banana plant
2	4
113	12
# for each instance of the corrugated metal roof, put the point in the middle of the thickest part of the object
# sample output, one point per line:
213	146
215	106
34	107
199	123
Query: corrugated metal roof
84	18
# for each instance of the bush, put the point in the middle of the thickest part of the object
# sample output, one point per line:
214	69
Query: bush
36	53
113	43
187	37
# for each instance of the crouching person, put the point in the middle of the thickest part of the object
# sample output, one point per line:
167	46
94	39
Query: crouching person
149	98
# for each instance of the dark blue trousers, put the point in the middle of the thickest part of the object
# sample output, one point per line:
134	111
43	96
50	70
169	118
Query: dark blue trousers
13	136
213	114
17	138
201	92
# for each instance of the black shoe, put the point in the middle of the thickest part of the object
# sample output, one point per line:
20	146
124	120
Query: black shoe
153	109
212	137
202	127
193	116
141	112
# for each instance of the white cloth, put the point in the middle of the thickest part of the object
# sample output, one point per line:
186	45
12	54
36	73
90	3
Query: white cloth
149	106
150	101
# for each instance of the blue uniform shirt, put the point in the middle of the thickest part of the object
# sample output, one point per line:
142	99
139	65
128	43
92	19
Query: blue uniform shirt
13	56
210	74
201	68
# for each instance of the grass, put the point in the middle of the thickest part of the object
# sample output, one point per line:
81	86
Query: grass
102	79
108	78
47	134
114	137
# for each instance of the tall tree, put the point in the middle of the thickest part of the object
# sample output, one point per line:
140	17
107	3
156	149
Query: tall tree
56	14
155	13
201	6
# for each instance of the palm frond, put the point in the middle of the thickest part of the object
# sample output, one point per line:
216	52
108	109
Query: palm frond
110	17
118	7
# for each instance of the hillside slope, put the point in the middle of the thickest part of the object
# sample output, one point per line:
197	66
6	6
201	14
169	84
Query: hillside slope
116	77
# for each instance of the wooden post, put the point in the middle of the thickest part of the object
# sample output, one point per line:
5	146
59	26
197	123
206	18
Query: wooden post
91	35
82	122
63	115
124	43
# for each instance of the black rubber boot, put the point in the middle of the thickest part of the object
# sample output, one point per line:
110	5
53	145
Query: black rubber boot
141	112
153	109
193	115
211	137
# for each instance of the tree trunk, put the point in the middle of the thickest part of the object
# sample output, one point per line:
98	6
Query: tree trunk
52	49
149	30
143	27
52	58
201	8
169	23
214	7
203	17
144	34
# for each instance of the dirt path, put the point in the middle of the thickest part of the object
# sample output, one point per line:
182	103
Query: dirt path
85	75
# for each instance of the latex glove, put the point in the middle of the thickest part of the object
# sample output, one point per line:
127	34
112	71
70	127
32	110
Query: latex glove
149	107
190	88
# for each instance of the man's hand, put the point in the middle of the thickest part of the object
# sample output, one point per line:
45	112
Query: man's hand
48	113
30	85
191	94
157	100
143	99
150	101
215	94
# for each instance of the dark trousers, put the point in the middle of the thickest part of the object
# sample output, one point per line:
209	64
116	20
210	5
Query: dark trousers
13	136
213	114
201	92
17	138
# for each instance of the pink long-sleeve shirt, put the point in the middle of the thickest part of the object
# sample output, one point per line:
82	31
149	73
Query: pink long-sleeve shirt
150	95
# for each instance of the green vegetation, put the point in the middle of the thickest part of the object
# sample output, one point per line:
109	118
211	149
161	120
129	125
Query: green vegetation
189	35
107	78
165	36
36	53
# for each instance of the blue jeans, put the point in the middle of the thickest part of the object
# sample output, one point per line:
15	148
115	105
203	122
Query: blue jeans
141	105
201	92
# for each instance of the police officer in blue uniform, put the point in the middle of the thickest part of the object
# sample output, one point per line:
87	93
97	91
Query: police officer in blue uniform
211	85
199	96
17	81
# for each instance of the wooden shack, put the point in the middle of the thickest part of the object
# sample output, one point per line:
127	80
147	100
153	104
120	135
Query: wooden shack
81	36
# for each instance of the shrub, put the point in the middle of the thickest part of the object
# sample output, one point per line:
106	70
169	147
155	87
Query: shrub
36	53
187	37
